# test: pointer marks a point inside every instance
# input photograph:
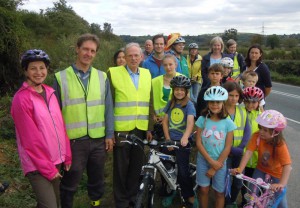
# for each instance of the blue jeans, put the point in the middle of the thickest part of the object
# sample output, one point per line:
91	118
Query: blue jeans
194	91
259	174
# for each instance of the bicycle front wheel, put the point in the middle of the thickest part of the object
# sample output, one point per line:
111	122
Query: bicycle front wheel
145	196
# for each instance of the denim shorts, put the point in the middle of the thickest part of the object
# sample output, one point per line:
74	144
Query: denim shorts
218	180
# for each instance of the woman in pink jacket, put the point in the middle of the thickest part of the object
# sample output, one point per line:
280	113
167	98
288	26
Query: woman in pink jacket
43	144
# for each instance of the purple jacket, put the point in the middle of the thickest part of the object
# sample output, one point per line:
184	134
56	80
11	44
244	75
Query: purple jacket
41	136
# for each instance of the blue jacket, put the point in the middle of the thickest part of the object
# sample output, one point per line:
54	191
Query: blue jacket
151	65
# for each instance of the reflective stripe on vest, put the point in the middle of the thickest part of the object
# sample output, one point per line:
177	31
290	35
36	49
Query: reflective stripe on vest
236	67
83	110
157	91
131	105
240	121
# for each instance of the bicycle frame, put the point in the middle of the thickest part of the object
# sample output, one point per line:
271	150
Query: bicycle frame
154	163
266	197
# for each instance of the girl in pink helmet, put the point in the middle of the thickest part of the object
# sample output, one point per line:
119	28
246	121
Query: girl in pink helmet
273	154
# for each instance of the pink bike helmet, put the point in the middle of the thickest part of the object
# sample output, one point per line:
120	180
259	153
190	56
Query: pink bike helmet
272	119
253	94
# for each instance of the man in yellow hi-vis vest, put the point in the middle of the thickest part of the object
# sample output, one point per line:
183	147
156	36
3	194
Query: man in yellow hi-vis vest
131	89
87	107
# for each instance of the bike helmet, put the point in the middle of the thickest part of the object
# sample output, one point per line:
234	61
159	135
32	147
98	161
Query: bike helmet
179	40
180	81
227	62
216	93
34	55
253	94
272	119
193	45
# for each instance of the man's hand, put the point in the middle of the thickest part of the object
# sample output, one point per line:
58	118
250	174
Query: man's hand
149	136
109	144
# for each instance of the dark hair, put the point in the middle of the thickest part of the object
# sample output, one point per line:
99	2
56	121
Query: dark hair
115	57
86	37
221	115
248	60
216	68
231	86
155	37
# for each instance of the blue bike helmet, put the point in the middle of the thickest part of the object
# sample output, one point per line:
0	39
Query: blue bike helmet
216	93
34	55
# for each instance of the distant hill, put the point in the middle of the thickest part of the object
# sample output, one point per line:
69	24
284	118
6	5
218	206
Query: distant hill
243	39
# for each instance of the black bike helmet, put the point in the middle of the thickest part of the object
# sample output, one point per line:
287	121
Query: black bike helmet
34	55
180	81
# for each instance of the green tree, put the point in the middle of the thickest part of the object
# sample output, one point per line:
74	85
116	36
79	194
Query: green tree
257	39
273	41
12	34
229	34
10	4
290	42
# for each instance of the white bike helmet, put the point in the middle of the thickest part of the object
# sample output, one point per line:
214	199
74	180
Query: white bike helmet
227	62
179	40
193	45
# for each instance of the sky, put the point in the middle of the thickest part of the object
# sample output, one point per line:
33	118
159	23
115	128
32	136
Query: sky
188	17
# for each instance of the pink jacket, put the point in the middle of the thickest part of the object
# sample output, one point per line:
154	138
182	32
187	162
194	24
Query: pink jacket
41	135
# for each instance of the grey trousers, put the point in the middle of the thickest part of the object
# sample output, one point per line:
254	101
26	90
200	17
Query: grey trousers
47	192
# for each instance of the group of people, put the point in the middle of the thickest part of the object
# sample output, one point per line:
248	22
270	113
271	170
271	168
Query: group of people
68	128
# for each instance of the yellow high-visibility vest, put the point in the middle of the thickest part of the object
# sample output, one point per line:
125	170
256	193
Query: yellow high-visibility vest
236	67
83	109
157	91
131	105
240	121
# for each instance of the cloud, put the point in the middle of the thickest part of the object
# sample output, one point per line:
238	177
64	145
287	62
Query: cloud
189	17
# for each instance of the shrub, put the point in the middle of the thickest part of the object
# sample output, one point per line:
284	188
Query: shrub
284	67
7	128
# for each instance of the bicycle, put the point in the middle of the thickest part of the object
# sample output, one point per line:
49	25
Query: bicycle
265	197
145	196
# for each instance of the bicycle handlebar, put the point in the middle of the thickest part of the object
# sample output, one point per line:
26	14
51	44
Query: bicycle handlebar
131	138
259	182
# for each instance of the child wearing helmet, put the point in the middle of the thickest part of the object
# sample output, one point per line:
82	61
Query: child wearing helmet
213	139
194	64
251	98
43	144
249	79
227	64
273	154
178	124
175	45
241	135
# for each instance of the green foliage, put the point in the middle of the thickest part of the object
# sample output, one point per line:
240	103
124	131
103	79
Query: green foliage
275	54
284	67
12	34
10	4
288	79
257	39
295	54
7	128
273	41
230	34
290	42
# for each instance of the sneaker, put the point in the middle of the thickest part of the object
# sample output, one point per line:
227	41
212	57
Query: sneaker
3	187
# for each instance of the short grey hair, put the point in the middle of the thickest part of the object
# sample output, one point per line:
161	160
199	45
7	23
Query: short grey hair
129	45
215	40
230	42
